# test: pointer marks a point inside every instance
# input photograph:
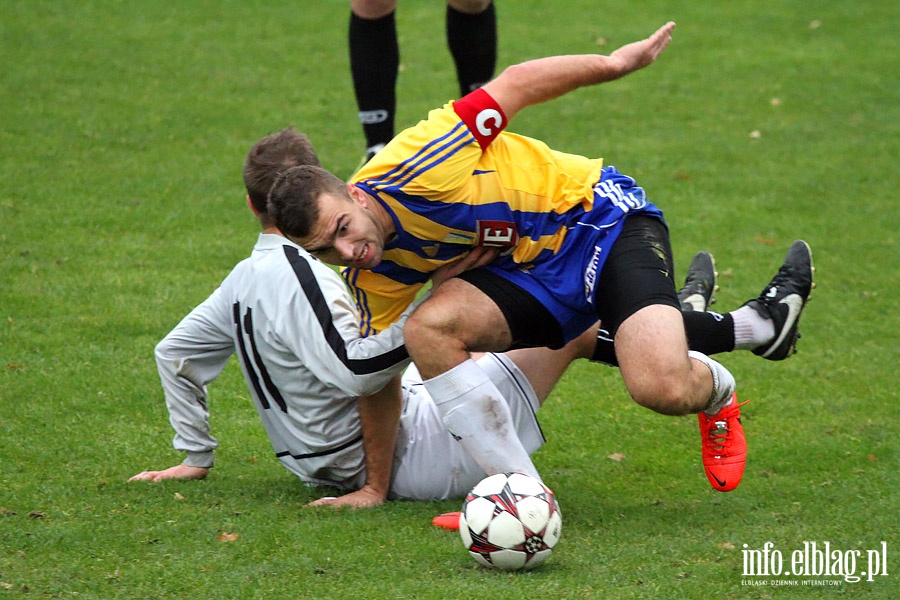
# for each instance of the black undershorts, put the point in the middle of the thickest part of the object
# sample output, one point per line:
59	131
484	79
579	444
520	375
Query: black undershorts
638	273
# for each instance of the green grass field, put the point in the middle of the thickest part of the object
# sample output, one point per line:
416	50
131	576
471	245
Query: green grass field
122	132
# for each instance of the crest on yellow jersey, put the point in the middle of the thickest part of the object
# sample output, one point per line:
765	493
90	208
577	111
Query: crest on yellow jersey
497	234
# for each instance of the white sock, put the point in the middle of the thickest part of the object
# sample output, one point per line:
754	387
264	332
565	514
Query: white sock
750	329
723	383
476	414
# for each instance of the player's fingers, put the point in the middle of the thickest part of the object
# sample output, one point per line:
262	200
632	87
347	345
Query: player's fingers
658	42
665	30
466	261
483	255
476	257
325	501
664	36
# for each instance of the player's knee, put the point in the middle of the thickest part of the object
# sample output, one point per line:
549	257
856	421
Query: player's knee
373	9
668	395
426	327
469	7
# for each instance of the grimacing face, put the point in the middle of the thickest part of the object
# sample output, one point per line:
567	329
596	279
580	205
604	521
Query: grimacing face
346	233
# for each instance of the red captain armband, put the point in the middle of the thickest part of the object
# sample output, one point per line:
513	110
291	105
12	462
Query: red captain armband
482	115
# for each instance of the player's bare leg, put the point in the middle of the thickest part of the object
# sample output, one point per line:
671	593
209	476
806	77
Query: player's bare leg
653	357
456	320
662	375
440	335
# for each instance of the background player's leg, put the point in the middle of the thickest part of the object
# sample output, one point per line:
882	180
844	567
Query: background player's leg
472	39
543	367
374	64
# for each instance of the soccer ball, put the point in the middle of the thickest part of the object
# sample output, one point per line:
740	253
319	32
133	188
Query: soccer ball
510	521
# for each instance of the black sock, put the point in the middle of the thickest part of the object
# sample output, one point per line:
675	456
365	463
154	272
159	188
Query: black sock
473	44
707	333
374	62
605	350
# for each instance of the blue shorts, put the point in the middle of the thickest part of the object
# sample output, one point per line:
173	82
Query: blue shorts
566	284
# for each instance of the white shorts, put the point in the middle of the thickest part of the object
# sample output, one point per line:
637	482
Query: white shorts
429	463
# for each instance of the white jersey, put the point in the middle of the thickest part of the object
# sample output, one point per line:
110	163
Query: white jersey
295	330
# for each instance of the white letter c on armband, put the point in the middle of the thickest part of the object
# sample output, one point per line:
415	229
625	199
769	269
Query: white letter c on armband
488	114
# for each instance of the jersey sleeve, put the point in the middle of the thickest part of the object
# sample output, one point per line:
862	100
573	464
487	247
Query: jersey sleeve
439	153
187	359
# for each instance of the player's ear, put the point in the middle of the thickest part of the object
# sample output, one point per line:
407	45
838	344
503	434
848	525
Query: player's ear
250	204
357	195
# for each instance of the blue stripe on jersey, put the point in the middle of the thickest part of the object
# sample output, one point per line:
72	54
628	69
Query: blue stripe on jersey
407	169
406	275
399	169
463	139
430	155
365	313
464	217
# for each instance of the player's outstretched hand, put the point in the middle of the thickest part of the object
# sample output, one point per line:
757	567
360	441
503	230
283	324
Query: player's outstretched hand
365	497
638	55
181	471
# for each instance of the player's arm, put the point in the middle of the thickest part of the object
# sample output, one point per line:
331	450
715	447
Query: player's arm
477	257
544	79
380	416
380	412
188	358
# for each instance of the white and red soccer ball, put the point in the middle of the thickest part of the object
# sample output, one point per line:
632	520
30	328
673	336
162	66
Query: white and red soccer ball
510	521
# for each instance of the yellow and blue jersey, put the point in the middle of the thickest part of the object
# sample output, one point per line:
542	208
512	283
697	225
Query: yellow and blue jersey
449	183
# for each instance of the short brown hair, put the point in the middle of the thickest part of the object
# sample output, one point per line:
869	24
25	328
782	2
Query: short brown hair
271	156
294	198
